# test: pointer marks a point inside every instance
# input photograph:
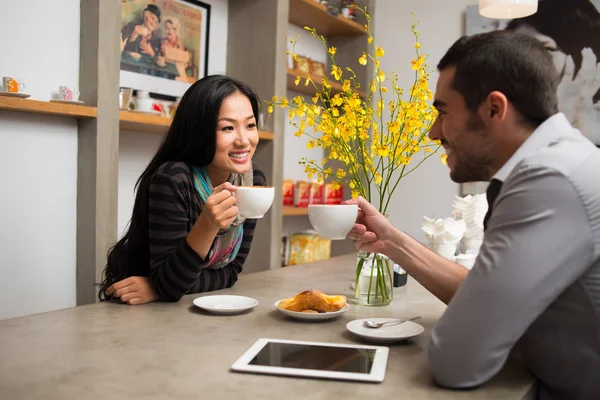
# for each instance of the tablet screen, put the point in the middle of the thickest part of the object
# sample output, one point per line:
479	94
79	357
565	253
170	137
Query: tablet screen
325	358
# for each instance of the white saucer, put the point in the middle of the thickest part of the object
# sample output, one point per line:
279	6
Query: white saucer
387	333
225	304
66	101
311	316
153	112
11	94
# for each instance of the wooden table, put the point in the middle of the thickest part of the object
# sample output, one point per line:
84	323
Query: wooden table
174	350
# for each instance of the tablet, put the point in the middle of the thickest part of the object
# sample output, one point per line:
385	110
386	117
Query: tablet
315	360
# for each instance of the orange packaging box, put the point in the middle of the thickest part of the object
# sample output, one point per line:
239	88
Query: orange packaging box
302	194
288	192
333	196
316	193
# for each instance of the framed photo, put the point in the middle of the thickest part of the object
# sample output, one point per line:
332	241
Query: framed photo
303	64
164	44
317	69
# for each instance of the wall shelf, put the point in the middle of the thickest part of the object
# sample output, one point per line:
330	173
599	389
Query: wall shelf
47	108
140	122
310	89
310	13
289	211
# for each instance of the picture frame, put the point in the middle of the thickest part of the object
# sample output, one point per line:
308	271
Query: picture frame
302	64
317	69
164	45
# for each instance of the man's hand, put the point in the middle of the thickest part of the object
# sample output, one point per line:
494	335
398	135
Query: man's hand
372	231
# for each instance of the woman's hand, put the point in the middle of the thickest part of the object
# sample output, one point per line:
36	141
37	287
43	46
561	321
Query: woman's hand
133	290
219	210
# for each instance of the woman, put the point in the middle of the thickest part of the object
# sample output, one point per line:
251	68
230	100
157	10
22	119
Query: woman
184	236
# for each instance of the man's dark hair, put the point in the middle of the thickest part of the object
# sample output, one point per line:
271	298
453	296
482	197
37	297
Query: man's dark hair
514	64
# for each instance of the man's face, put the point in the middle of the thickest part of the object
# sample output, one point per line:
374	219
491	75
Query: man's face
461	132
150	20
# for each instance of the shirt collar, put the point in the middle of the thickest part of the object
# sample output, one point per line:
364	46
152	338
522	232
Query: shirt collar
549	131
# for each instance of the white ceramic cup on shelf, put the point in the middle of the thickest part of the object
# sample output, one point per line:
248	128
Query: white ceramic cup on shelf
254	201
332	221
143	104
66	93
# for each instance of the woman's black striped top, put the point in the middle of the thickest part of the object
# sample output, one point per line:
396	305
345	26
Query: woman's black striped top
173	208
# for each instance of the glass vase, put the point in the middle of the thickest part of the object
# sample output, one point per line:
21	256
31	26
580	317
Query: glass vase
374	284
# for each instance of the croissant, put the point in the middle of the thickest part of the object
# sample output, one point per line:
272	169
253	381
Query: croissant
313	300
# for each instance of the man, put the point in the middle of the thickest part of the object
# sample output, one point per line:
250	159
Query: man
536	282
141	36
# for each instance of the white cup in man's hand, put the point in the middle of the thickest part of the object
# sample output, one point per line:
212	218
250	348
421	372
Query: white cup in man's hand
333	221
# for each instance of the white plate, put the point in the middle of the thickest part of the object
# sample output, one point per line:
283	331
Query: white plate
66	101
310	316
153	112
387	333
225	304
11	94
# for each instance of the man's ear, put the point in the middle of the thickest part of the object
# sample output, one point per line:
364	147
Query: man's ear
496	106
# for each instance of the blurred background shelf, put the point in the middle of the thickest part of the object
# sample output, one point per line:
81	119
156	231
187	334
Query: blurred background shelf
140	122
294	211
310	13
45	107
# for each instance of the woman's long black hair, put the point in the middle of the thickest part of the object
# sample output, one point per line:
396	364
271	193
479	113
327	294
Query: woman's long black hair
191	139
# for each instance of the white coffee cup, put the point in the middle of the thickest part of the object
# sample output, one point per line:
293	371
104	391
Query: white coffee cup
67	93
332	221
253	202
143	104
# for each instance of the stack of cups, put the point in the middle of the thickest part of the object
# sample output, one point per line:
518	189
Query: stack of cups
444	235
472	210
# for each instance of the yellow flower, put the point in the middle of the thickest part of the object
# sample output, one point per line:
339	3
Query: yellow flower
415	32
307	81
331	50
335	185
370	39
379	52
363	59
336	72
274	99
417	45
346	85
444	158
310	144
297	81
340	173
381	76
384	89
270	109
315	99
